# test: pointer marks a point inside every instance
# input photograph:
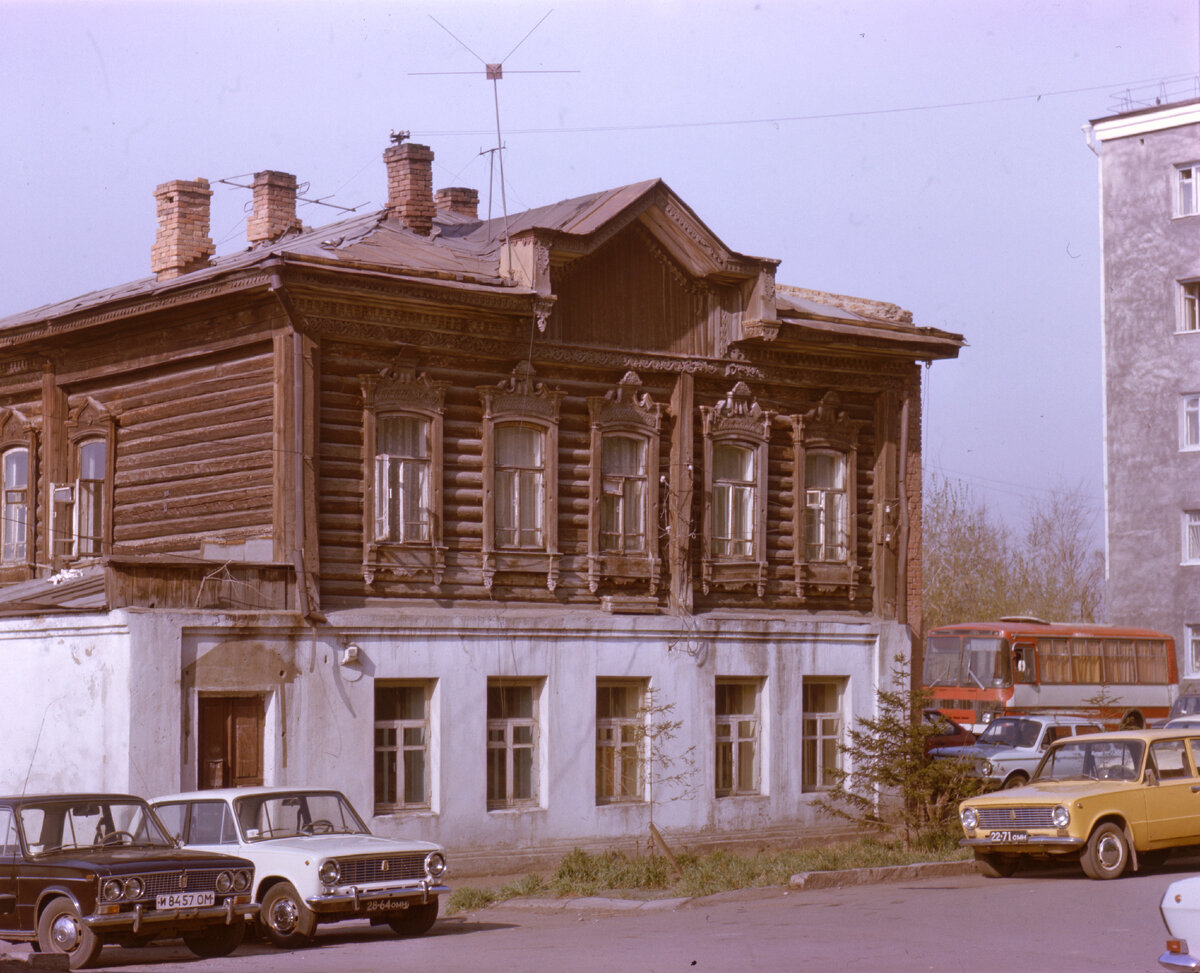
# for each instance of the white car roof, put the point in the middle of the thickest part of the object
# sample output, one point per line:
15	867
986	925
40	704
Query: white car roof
229	793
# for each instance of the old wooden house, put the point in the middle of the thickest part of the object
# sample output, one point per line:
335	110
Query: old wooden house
518	530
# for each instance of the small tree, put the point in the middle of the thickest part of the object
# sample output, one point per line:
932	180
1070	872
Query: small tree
892	786
669	774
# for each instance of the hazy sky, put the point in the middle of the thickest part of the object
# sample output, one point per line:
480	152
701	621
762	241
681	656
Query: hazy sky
922	152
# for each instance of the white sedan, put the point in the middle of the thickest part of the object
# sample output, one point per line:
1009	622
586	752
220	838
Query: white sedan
314	859
1181	912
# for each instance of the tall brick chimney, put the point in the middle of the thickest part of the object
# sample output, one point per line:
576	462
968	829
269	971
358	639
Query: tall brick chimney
274	206
410	185
182	243
459	200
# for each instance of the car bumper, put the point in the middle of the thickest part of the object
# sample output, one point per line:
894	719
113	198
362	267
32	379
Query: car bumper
1035	843
356	899
1179	961
140	920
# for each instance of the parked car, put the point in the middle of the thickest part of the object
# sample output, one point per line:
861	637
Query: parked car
81	870
944	732
1007	752
314	858
1114	801
1180	910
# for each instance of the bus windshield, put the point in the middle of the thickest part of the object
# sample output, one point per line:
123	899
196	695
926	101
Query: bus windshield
980	661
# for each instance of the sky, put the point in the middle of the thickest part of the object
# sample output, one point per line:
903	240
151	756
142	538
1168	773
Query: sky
928	153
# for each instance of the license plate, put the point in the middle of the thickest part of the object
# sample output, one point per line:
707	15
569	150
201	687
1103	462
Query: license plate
1009	837
386	905
185	900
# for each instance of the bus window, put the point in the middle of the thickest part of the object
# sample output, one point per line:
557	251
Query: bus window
1023	664
986	661
942	660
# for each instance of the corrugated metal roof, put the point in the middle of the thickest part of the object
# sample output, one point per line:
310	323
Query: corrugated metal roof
74	590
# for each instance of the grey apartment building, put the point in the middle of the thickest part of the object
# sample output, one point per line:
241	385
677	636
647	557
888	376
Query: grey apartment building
1150	225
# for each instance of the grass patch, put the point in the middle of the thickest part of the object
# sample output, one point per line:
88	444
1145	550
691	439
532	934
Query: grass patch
613	874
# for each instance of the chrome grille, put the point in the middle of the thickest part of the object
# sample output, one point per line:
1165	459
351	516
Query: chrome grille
1015	817
198	880
382	868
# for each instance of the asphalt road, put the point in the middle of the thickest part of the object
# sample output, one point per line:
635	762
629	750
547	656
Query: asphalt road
1051	920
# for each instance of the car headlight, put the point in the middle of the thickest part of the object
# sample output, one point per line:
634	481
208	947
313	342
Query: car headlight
224	882
1060	817
435	864
970	820
241	880
134	887
329	872
986	768
112	889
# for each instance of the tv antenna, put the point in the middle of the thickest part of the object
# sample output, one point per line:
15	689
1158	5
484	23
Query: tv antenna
494	72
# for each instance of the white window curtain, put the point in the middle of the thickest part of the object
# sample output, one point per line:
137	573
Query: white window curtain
520	487
14	480
402	479
623	500
733	500
827	527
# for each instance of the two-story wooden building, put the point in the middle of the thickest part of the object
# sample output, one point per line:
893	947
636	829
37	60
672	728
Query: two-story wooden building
519	530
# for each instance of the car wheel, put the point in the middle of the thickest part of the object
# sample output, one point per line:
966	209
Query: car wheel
1016	780
996	866
1107	852
284	918
416	920
61	931
216	941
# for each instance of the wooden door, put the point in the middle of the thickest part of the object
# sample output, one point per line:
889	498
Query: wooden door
231	741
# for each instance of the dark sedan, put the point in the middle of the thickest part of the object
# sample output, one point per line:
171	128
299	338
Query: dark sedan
81	870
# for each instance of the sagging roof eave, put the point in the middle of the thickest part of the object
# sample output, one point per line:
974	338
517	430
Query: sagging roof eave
925	344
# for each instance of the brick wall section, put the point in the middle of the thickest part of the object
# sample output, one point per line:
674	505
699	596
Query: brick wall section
274	210
182	243
410	185
459	199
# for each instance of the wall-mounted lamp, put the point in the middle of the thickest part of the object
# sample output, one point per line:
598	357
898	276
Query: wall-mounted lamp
349	655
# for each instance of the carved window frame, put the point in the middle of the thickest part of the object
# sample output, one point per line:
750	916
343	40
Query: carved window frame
88	423
523	401
826	429
398	391
739	421
18	432
627	413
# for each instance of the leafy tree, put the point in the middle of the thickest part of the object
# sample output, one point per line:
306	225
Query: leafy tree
891	784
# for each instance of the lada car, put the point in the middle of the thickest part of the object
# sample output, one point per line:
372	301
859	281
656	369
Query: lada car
1008	751
1114	801
1180	910
315	861
81	870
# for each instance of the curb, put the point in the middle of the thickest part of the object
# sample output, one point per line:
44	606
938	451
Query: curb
886	873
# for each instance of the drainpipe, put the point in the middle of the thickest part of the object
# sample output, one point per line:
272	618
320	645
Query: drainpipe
902	546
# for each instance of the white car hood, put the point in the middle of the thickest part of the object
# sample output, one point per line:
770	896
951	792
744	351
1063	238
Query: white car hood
338	845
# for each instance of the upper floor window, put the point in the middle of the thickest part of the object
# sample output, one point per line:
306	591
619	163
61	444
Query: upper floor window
623	489
1191	537
1187	190
402	501
14	504
1189	305
79	507
1189	422
520	477
827	525
736	434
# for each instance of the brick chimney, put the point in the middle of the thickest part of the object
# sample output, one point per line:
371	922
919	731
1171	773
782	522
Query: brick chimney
459	200
274	206
182	243
410	185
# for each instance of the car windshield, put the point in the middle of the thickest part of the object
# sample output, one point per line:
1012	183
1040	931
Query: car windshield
1186	705
48	827
264	816
1010	731
1084	759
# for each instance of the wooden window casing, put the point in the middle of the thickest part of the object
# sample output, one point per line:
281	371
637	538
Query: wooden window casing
1189	305
512	744
738	737
825	517
736	434
623	486
18	490
620	741
81	509
821	734
402	756
519	539
402	475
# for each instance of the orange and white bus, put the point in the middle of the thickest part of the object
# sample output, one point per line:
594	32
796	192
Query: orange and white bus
1118	676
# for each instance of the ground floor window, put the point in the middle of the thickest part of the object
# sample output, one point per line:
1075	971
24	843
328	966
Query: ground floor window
512	741
822	733
1193	649
738	743
401	745
620	739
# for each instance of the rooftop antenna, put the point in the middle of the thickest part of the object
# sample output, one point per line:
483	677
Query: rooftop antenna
494	72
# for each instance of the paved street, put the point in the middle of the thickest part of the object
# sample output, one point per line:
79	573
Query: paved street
1054	920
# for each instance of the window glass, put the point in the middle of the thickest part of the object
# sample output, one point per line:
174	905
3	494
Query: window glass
821	734
1191	536
511	739
1189	306
10	845
519	486
1187	197
14	503
737	733
211	824
733	500
619	734
401	746
90	501
1189	429
402	479
1169	760
172	816
623	495
826	523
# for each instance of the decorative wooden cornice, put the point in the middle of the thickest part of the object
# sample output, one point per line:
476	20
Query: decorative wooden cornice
521	395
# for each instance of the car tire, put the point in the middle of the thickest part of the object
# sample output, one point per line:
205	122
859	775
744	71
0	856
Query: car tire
284	918
1107	852
1018	779
995	866
216	941
61	931
416	920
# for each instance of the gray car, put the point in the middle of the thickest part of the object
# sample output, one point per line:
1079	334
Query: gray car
1009	749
